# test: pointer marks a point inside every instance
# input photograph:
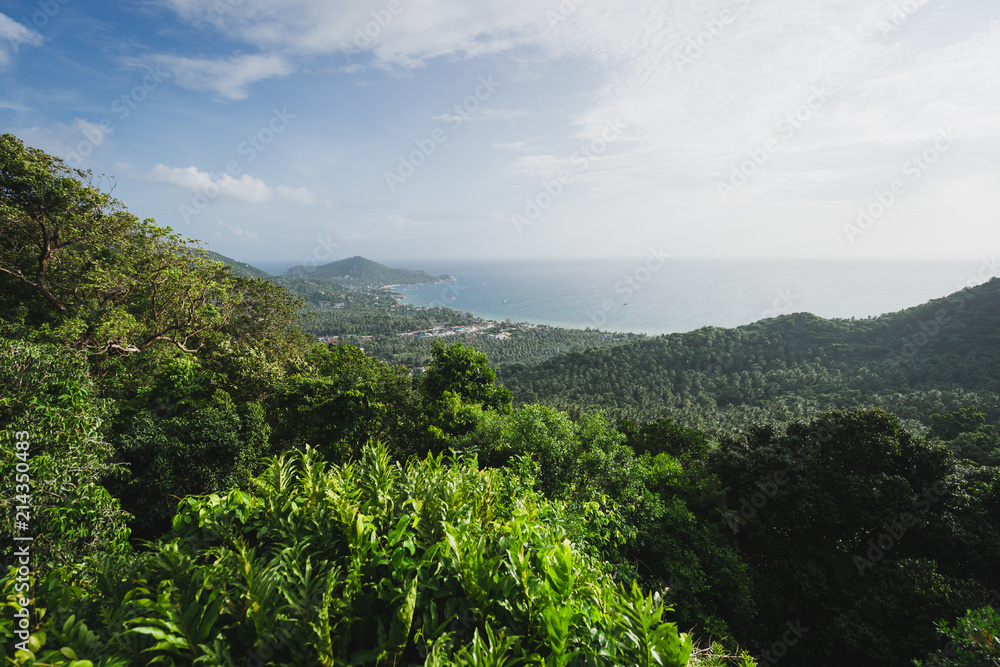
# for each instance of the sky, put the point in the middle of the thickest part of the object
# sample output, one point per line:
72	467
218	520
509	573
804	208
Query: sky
305	131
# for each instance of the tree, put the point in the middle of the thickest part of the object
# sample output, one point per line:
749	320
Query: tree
949	426
182	435
53	458
466	373
343	400
829	513
77	268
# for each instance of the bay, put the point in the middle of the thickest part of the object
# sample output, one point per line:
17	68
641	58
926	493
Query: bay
654	296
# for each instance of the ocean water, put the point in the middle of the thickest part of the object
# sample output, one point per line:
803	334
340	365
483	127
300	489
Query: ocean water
654	296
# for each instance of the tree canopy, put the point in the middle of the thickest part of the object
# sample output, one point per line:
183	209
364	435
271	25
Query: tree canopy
81	269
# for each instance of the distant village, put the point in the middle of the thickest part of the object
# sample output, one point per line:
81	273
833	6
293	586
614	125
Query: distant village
439	330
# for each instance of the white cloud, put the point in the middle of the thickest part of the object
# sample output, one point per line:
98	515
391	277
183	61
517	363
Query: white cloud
13	106
12	35
93	132
409	37
302	195
245	188
229	78
239	232
699	84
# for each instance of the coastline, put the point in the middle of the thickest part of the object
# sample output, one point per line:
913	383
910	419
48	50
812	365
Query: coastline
684	295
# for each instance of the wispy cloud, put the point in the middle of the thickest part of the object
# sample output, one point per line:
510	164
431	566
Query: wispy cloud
229	78
238	232
302	195
511	146
408	37
12	36
481	115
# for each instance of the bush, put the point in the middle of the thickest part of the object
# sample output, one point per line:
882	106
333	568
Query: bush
367	563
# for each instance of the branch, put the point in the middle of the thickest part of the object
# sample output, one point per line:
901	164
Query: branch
49	296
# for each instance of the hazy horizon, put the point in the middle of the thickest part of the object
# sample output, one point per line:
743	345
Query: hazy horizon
414	262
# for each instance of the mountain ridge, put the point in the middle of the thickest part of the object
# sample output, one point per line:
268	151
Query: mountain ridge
355	271
241	269
360	270
941	355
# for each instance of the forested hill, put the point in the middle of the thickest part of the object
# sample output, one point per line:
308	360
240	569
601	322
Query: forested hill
241	269
361	271
938	356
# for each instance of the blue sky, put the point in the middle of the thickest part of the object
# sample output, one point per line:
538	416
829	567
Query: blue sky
311	130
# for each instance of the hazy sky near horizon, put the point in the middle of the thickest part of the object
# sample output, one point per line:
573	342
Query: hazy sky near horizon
312	130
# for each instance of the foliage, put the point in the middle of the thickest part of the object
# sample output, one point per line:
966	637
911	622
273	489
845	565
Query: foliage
49	403
340	401
241	269
368	563
182	436
467	374
973	641
666	524
832	516
528	344
77	268
948	426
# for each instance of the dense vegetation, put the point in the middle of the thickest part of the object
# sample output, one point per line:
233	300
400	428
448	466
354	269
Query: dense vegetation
205	484
934	358
239	268
527	345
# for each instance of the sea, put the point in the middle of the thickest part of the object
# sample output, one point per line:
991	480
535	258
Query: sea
658	295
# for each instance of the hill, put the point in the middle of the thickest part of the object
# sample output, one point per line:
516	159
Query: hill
942	355
241	269
360	271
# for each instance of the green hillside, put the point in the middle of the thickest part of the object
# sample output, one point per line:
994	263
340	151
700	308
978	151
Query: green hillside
360	271
937	356
241	269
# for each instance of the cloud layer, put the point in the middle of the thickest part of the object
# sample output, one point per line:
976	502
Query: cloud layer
12	36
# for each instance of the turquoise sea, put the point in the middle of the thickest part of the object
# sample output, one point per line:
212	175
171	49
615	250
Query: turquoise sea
653	296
